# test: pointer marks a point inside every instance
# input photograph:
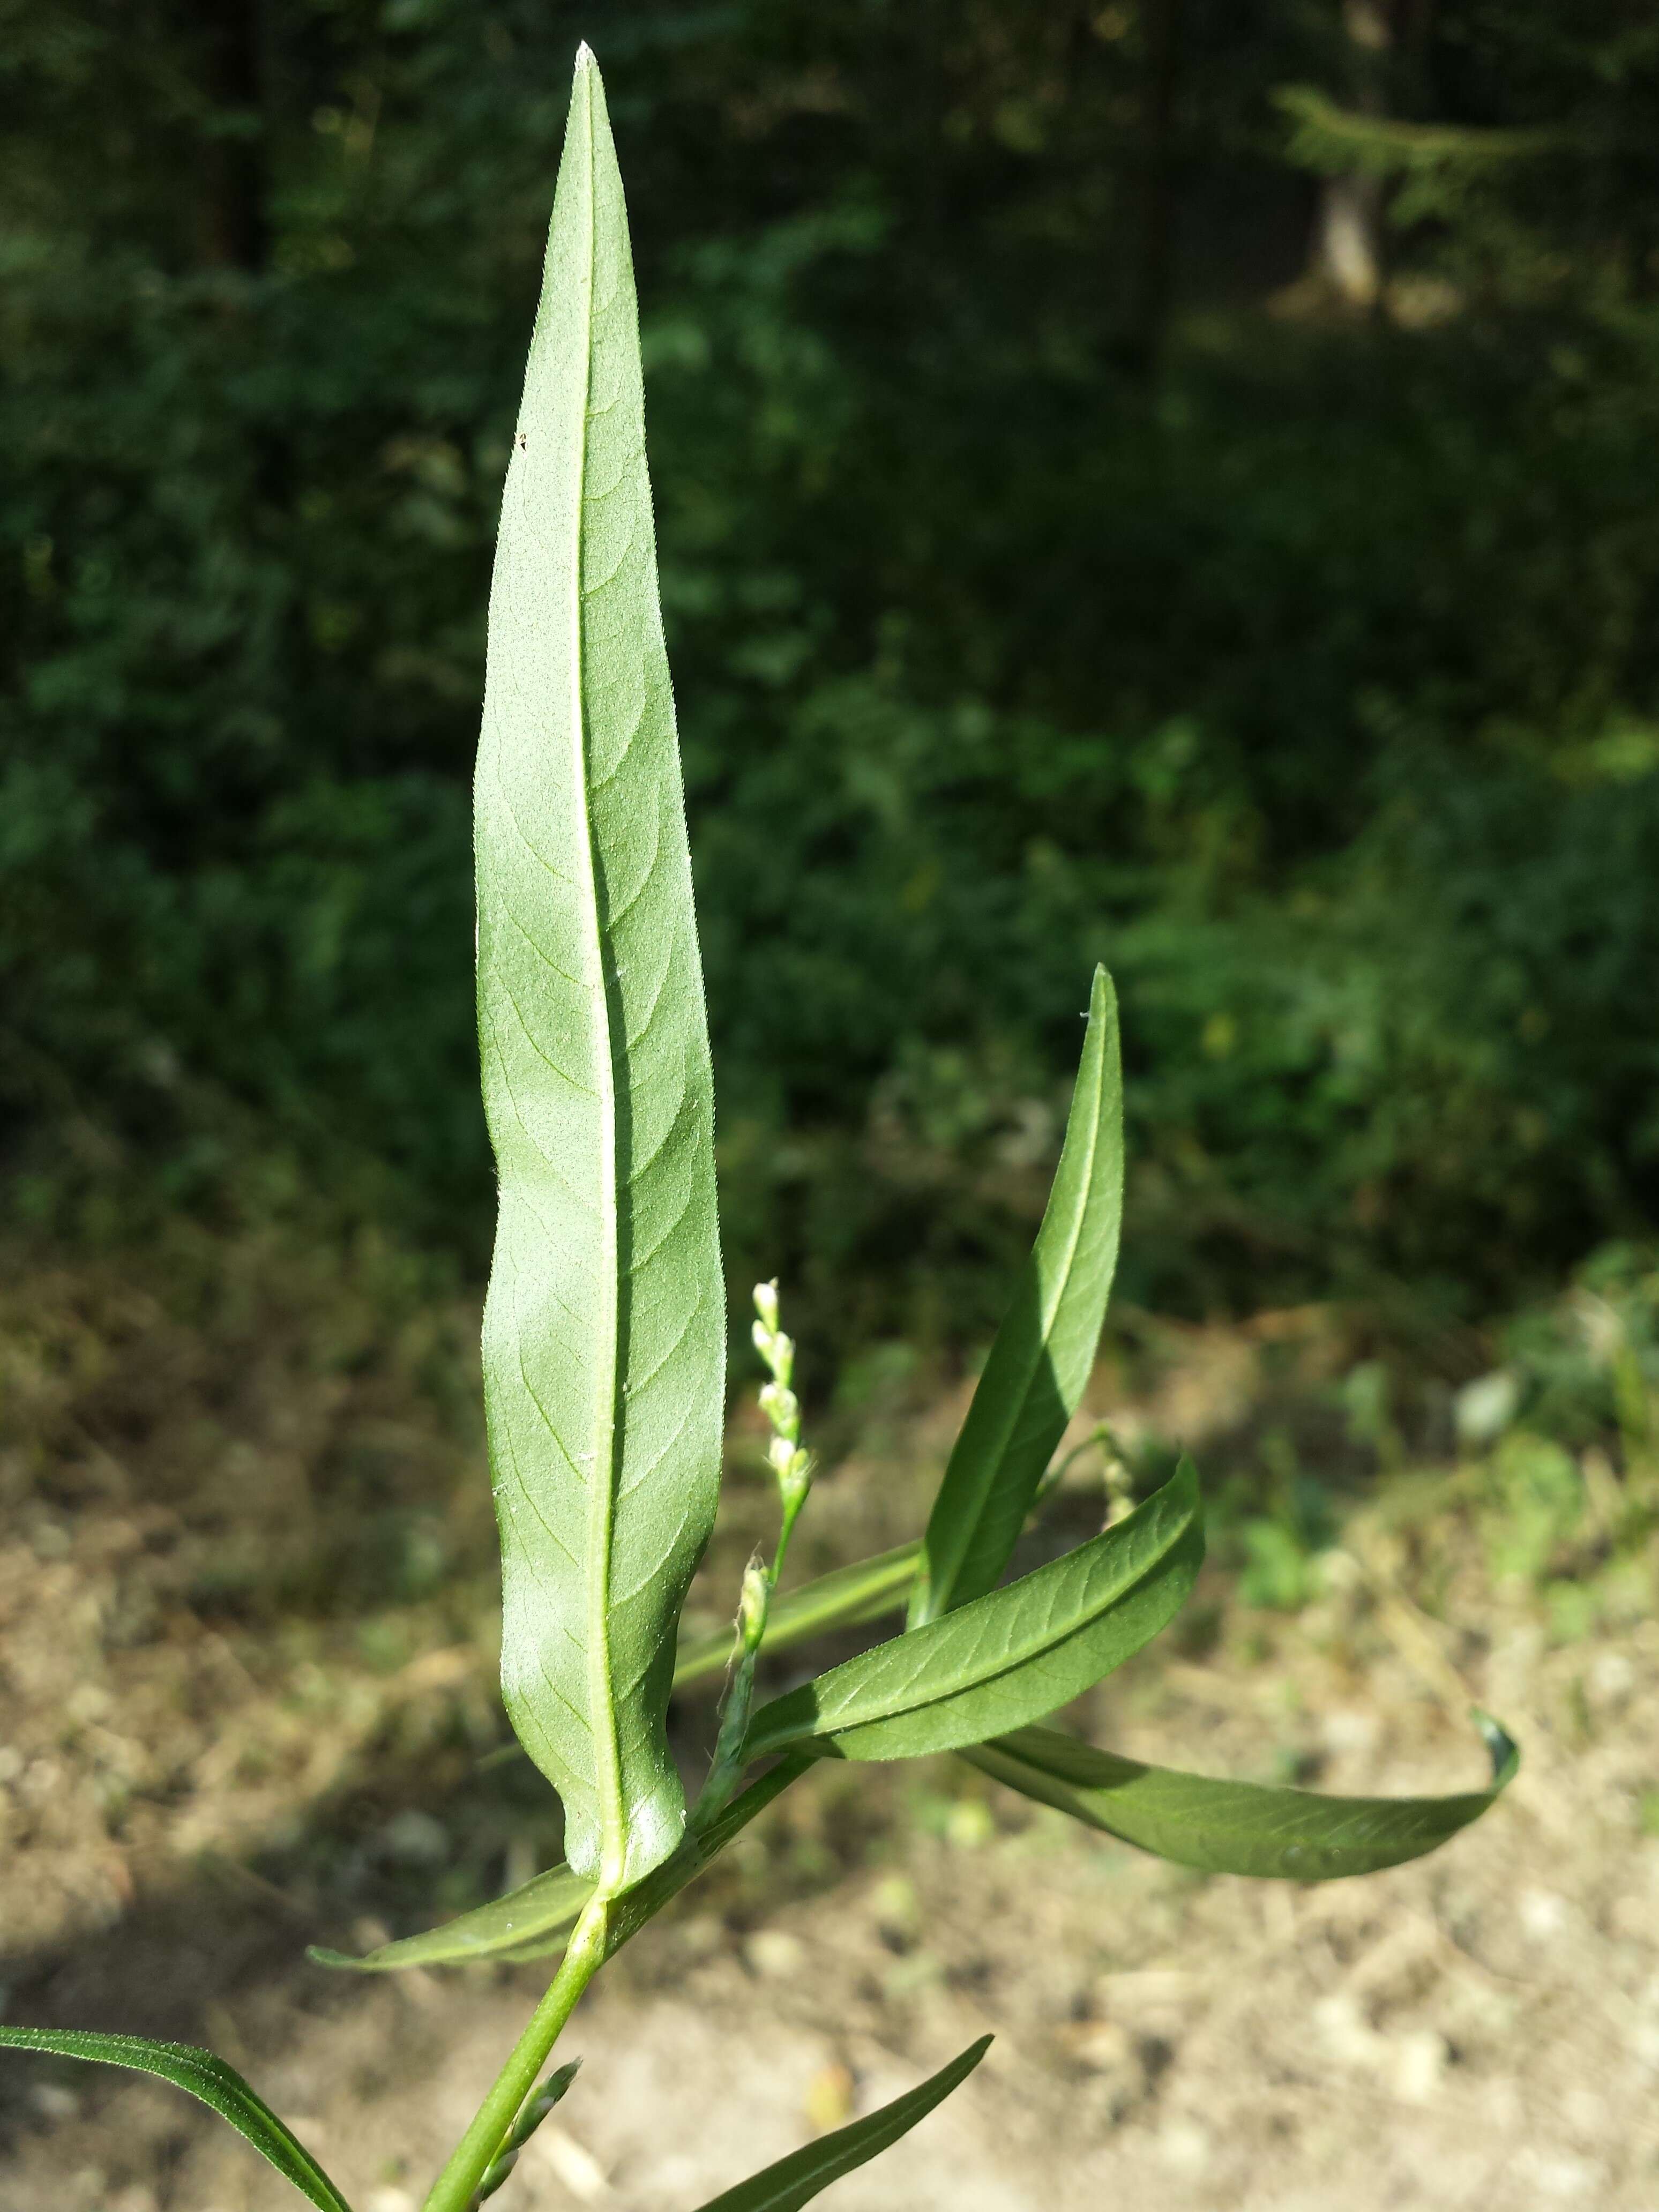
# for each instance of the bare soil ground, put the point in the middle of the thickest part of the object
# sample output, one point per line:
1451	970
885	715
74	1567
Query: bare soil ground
246	1680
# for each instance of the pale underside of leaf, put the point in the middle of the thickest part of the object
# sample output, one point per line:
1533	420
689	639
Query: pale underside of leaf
1235	1827
1025	1649
202	2076
604	1332
795	2180
1040	1363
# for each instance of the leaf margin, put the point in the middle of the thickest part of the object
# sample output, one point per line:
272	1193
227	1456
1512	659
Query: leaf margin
1033	1761
1008	1437
201	2075
1140	1605
792	2184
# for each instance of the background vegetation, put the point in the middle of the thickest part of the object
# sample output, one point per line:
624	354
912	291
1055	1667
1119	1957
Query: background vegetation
1161	482
1145	480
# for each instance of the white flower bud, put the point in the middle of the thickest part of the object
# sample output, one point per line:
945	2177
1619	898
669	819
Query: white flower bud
782	1409
752	1604
766	1305
795	1479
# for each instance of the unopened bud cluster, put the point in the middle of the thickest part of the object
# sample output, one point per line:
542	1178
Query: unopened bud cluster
753	1603
791	1465
540	2105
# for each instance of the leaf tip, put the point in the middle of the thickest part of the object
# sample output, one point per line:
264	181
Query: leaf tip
1501	1747
320	1955
586	57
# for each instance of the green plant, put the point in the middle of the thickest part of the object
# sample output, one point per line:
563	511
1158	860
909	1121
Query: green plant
604	1335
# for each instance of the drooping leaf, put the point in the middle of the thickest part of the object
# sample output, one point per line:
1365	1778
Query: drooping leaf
1039	1363
603	1330
1024	1649
537	1913
798	2179
202	2076
1236	1827
863	1591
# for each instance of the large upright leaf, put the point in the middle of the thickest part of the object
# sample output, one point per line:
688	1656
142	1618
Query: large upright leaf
1236	1827
605	1329
795	2180
1024	1649
204	2077
1039	1365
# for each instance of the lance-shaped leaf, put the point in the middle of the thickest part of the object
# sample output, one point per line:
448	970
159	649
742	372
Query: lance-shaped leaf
863	1591
1040	1362
1024	1649
605	1330
535	1913
533	1921
204	2078
1236	1827
798	2179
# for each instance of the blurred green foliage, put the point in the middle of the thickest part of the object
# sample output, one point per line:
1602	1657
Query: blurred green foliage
1058	566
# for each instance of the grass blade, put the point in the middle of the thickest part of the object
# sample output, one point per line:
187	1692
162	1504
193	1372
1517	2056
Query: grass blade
202	2076
798	2179
1040	1363
603	1330
1024	1649
1236	1827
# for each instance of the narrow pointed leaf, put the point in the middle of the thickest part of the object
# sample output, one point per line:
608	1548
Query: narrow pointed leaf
202	2076
798	2179
1236	1827
1040	1363
603	1330
533	1921
536	1913
862	1592
1025	1649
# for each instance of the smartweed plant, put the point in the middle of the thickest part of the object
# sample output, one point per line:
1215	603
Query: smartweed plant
605	1338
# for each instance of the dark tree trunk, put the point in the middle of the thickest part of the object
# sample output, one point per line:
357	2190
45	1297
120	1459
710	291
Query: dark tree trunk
231	224
1154	275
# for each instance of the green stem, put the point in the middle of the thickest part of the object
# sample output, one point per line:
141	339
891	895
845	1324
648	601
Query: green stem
791	1515
726	1767
456	2186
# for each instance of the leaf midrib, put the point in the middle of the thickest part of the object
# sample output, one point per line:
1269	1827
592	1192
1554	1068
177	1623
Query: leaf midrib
601	1478
896	1705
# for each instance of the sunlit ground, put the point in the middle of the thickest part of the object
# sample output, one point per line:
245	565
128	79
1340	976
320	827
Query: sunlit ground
246	1612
